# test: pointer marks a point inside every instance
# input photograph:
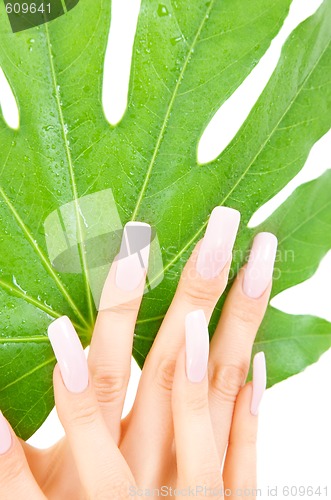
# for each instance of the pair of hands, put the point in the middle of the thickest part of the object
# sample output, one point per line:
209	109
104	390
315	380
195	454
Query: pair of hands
193	411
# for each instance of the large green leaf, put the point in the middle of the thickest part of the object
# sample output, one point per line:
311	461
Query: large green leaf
302	223
188	58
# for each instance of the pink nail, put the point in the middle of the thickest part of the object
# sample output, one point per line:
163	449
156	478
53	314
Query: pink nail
69	353
132	260
258	272
259	381
217	244
5	435
197	345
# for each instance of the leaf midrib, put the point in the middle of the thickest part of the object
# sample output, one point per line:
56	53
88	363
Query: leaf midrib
41	255
31	300
24	340
168	111
28	374
72	179
28	298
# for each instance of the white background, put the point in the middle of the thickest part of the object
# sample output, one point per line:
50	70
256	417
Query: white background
294	435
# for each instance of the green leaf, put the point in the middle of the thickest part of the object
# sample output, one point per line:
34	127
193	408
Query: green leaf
291	342
188	58
302	223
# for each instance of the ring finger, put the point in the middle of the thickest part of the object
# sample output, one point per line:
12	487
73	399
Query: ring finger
233	340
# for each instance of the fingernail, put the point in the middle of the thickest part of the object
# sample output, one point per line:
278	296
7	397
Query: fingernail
197	345
258	272
217	244
259	381
132	260
5	435
69	353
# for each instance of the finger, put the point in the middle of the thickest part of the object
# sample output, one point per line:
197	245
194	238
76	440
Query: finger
41	462
202	282
232	342
101	468
240	464
197	458
16	480
111	345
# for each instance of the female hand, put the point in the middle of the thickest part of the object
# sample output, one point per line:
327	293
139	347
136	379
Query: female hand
191	409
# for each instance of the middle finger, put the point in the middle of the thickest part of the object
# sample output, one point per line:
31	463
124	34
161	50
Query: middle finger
203	281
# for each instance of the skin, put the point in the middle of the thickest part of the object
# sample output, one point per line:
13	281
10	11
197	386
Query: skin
178	433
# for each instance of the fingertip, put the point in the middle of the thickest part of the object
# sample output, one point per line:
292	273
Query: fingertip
69	353
196	345
260	266
133	257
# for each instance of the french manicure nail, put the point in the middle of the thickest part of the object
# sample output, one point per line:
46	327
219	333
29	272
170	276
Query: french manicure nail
258	272
259	381
69	353
217	244
132	260
5	435
197	345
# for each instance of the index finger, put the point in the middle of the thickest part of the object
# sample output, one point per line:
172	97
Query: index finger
111	346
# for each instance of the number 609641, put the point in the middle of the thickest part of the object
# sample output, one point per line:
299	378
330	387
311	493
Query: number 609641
25	8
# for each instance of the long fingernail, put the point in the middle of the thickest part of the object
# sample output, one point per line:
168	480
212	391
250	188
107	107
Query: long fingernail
258	272
132	260
197	345
5	435
259	381
217	244
69	353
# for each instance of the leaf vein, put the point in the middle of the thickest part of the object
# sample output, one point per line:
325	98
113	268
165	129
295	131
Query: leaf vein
168	112
72	178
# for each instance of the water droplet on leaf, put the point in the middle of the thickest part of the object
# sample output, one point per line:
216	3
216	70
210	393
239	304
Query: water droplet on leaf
176	39
162	10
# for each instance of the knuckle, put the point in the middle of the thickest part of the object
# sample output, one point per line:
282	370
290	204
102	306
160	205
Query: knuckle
209	476
165	374
246	443
250	440
197	404
110	487
246	313
83	412
198	294
109	385
126	308
227	381
12	469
